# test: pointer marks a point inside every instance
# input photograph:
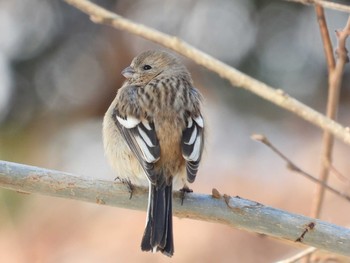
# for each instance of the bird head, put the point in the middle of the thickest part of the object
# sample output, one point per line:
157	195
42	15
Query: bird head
151	64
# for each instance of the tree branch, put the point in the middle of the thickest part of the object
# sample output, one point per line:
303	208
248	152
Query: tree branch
325	4
233	211
293	167
236	78
326	40
332	106
334	82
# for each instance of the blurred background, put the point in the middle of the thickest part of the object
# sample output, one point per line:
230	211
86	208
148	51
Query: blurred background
59	72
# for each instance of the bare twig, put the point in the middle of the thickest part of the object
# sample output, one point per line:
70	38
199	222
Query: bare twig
335	79
295	168
233	211
332	106
337	173
327	44
237	78
325	4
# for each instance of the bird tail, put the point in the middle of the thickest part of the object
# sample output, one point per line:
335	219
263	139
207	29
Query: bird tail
158	235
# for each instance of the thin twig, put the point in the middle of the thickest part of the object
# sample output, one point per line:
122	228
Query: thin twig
236	78
335	80
232	211
332	106
325	4
298	256
292	166
326	40
337	173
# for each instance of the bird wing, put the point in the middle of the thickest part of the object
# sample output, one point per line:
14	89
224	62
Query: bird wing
192	144
142	139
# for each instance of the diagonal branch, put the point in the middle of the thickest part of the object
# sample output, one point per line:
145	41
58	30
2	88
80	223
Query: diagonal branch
325	4
233	211
236	78
293	167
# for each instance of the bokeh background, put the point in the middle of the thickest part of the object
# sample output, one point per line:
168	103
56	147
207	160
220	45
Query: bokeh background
59	72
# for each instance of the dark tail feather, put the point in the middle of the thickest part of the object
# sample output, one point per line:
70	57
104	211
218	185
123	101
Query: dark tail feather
159	229
168	242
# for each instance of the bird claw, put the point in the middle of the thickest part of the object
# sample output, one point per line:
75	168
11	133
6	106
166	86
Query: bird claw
183	192
129	185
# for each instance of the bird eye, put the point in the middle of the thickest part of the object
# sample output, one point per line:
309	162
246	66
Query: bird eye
147	67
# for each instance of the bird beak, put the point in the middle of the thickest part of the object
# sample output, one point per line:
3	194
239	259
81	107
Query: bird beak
128	72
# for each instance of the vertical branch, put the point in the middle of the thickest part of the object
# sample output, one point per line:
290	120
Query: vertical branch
327	44
332	104
335	71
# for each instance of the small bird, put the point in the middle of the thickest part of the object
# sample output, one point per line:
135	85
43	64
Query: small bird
153	134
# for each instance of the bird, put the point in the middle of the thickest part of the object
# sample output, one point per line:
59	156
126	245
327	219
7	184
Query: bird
153	136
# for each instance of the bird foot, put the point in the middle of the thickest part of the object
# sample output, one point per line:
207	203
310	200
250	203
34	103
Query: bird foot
129	185
183	191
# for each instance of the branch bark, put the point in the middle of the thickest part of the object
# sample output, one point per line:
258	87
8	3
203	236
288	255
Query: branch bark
236	78
232	211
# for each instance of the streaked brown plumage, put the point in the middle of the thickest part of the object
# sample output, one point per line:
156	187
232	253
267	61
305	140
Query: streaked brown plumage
153	135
